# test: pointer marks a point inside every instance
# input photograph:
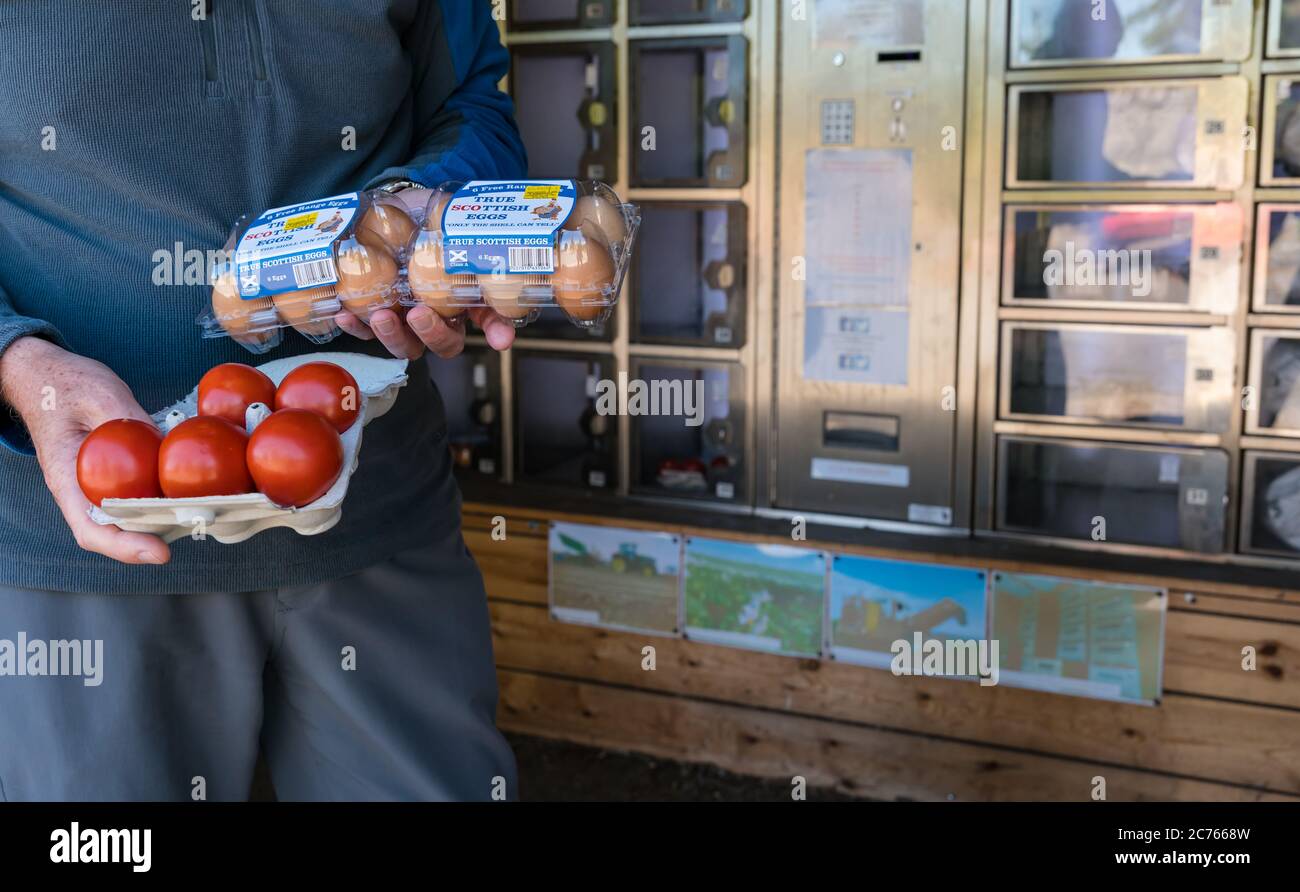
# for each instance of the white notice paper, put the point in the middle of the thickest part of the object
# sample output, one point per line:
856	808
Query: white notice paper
858	227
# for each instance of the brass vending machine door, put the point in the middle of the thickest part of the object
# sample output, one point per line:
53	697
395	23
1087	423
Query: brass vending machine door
870	185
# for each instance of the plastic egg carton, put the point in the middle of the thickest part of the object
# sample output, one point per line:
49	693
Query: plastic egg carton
362	239
561	243
590	250
231	519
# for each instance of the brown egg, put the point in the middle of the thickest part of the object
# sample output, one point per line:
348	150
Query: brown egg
438	202
238	316
367	276
603	213
583	280
504	294
390	224
310	311
430	284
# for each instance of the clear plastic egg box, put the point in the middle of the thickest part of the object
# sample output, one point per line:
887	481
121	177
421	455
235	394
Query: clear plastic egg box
387	256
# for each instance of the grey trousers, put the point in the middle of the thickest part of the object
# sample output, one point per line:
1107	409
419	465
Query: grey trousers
377	686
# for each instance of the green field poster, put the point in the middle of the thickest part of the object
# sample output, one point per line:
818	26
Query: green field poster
615	578
760	597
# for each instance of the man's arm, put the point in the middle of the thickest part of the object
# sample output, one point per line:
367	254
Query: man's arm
471	135
50	399
13	435
466	134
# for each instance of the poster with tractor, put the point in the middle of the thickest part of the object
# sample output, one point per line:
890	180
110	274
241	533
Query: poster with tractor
1077	636
875	602
615	578
760	597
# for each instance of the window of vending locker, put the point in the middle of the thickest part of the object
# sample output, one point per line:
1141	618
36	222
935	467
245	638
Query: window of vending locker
689	442
555	15
688	274
1127	494
470	388
685	12
689	121
562	435
565	103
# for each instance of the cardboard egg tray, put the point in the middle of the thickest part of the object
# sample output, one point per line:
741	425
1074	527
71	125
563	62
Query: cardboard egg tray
230	519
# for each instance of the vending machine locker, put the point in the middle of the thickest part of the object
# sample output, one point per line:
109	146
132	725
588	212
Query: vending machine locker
555	15
683	12
1119	375
1277	259
699	451
1052	33
1283	38
1185	133
690	111
688	274
562	434
1153	496
1271	508
470	387
871	181
1274	409
1173	257
565	102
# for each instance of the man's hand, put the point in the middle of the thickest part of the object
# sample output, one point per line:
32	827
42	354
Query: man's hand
61	397
407	333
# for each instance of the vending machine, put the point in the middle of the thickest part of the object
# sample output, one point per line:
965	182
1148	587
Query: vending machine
872	143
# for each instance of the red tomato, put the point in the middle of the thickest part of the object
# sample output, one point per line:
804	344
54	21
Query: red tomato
119	460
324	388
227	390
295	456
204	456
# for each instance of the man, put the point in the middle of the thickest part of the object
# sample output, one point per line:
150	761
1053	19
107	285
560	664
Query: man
358	660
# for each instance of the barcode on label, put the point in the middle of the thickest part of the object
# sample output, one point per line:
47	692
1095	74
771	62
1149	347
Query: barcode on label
314	272
532	260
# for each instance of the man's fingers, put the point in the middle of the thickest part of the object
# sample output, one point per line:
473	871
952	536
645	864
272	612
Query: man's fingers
129	548
393	334
444	338
500	334
353	326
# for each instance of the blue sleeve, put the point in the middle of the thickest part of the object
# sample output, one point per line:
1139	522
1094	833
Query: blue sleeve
13	436
468	132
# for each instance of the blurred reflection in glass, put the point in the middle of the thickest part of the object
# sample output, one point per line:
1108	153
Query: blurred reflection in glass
1113	135
1117	29
1276	515
1288	37
1279	399
1286	142
1282	275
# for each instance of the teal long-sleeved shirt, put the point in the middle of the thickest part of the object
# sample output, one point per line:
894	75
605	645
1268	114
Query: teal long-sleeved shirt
131	126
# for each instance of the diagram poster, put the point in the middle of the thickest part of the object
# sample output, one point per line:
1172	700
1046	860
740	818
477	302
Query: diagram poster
1072	636
874	603
761	597
616	578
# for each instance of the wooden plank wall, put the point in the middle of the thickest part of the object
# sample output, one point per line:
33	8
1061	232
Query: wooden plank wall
1220	732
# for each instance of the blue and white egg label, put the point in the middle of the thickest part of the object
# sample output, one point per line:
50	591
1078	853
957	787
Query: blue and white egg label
291	248
505	227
